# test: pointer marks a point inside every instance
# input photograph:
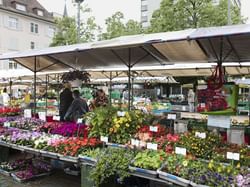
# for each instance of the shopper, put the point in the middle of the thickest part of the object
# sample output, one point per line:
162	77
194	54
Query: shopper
77	109
191	96
101	99
5	97
65	100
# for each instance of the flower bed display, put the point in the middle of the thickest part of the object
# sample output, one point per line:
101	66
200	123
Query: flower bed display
119	126
73	146
9	111
65	129
36	169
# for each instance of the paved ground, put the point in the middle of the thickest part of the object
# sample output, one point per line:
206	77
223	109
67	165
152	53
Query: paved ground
57	179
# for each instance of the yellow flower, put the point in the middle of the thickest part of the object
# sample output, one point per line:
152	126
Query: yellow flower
111	130
117	126
127	125
238	165
185	163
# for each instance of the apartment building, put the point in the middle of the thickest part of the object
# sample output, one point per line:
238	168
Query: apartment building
24	24
147	9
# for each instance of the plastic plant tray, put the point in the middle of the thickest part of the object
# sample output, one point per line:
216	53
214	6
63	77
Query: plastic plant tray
69	158
143	172
87	160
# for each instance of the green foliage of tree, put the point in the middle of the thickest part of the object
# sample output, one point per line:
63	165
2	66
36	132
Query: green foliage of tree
183	14
116	27
66	32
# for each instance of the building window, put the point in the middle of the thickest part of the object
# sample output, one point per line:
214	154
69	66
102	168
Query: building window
51	31
13	23
33	28
1	2
12	65
40	13
144	19
32	45
144	8
21	7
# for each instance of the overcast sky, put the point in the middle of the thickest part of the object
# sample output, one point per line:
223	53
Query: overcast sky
101	9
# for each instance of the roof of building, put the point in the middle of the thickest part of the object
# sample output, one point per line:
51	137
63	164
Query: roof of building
31	9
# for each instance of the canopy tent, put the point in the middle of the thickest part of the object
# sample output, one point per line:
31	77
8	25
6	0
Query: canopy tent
214	44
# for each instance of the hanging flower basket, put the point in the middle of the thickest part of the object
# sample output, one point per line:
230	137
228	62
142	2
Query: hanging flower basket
76	77
75	83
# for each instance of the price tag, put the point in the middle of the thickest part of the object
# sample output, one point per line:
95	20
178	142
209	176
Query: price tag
135	142
104	139
121	113
6	124
27	113
79	120
201	135
153	128
181	151
203	105
233	156
152	146
56	118
42	116
172	116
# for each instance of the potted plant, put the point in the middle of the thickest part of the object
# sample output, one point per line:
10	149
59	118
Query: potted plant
76	77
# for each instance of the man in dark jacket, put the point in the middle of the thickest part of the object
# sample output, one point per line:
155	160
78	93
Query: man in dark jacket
78	107
65	100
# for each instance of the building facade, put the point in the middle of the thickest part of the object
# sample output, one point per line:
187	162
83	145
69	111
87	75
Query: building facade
147	9
24	24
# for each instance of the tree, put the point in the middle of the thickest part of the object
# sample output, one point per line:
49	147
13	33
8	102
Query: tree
183	14
66	32
116	27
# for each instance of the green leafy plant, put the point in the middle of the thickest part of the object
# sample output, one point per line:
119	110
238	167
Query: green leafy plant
111	162
149	159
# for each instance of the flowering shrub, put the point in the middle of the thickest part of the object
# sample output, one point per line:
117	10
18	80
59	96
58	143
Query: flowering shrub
9	111
73	146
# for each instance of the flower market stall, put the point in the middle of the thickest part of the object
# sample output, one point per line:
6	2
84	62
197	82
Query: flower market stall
118	144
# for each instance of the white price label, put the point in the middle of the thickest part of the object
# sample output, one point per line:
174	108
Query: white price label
153	128
203	105
42	116
56	118
121	113
135	142
6	124
79	120
233	156
27	113
172	116
152	146
181	151
201	135
104	139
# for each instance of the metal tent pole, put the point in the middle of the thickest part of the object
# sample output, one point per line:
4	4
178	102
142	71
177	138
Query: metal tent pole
129	80
35	71
46	93
110	87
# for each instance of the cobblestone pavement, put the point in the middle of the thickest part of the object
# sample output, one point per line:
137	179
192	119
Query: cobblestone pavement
57	179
